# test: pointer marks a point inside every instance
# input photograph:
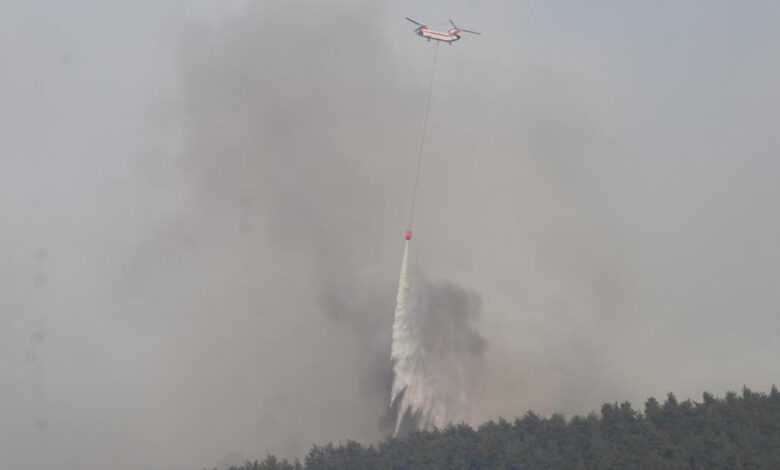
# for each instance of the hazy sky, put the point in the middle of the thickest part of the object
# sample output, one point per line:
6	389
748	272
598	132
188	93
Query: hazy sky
202	207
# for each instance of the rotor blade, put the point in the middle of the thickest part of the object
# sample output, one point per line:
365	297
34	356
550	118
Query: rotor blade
418	24
472	32
453	24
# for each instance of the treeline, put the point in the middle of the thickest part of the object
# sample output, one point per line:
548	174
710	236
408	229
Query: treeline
735	433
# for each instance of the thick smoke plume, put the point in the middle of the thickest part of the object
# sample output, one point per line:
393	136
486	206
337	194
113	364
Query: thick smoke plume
437	354
201	210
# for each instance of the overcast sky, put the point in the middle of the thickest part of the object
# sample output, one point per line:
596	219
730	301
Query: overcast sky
202	207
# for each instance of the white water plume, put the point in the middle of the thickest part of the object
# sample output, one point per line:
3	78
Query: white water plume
436	353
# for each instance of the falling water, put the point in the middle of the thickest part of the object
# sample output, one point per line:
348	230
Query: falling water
436	352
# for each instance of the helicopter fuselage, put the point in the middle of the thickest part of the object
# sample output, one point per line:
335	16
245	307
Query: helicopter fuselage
449	36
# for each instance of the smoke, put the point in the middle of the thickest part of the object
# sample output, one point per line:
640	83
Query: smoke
437	353
289	159
221	202
264	154
261	146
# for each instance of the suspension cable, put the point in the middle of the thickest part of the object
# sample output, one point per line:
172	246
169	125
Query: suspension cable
422	138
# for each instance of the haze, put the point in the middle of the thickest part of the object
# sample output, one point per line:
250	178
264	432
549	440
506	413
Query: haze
202	207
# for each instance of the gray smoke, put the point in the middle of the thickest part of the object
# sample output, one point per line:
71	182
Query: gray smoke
284	143
202	211
289	147
293	152
437	354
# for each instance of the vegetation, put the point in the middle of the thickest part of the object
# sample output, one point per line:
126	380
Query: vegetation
736	432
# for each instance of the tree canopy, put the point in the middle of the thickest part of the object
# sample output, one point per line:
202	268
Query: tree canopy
735	432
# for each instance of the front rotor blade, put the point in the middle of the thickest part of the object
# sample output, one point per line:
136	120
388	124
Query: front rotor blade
418	24
472	32
453	24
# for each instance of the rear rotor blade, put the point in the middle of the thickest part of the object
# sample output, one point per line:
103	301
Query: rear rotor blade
472	32
418	24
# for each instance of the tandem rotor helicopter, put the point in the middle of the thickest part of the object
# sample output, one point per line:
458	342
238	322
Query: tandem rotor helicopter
450	36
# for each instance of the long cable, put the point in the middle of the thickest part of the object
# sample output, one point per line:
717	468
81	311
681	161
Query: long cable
422	138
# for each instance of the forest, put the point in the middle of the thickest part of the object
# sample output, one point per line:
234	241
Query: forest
735	432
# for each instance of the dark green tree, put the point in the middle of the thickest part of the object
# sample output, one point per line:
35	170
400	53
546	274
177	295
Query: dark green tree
738	432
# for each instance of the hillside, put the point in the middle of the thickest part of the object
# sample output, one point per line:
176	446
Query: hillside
734	432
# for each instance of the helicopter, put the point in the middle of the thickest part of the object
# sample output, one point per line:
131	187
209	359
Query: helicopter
450	36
